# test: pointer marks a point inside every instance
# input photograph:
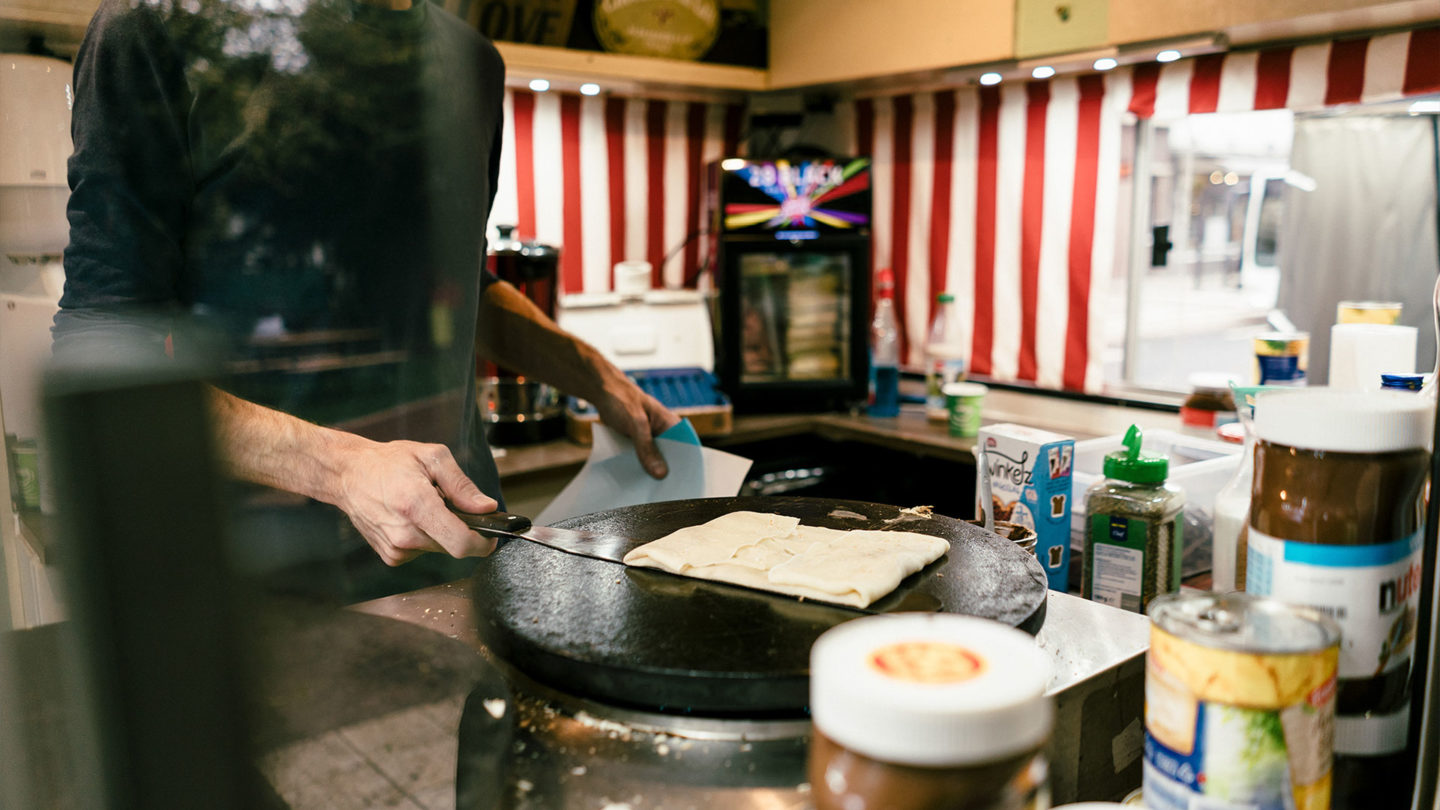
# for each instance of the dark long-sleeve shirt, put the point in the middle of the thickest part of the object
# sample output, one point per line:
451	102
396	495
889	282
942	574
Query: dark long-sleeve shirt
298	188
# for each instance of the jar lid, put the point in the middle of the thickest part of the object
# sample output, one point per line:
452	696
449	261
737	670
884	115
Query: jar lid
964	389
934	690
1134	466
1345	421
1232	432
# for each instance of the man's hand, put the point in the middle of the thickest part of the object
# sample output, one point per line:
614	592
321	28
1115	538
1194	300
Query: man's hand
514	333
641	417
396	492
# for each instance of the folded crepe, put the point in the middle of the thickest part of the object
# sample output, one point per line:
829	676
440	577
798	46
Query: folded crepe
776	553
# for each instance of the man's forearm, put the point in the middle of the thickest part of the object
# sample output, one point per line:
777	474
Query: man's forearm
266	446
514	333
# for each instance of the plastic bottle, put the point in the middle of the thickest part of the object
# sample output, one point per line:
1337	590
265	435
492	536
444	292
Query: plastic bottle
944	356
1232	516
885	350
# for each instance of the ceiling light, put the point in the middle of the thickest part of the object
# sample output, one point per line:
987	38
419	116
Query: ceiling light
1167	56
589	89
1231	178
1043	72
988	79
732	164
539	85
1105	63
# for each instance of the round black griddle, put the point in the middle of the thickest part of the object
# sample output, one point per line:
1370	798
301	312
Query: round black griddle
644	638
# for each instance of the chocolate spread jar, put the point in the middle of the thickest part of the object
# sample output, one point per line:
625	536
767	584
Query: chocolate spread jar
928	712
1336	524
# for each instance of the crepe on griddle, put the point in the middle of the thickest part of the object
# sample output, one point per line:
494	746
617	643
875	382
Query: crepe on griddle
775	553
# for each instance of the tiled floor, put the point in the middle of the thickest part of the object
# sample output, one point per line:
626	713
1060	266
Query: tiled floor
404	759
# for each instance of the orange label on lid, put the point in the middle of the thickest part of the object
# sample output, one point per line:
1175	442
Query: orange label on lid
927	662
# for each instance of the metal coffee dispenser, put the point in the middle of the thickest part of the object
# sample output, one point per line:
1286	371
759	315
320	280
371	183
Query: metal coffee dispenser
514	408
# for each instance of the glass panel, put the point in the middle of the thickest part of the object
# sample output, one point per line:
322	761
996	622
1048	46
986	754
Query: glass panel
1201	300
795	316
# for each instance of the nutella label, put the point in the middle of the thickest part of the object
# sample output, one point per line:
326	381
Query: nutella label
927	662
1371	591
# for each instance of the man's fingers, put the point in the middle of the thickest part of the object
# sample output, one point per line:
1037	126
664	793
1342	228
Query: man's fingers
661	417
650	457
456	486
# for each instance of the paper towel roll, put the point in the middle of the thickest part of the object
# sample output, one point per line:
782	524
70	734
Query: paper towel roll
1361	352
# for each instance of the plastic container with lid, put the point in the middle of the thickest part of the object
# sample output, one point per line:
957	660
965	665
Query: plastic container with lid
1209	405
944	356
1135	531
928	711
1336	524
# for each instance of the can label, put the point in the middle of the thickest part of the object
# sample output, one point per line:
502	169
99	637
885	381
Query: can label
1281	359
1226	730
1371	591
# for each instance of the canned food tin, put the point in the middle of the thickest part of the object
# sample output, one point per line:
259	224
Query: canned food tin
1239	704
1383	312
1281	358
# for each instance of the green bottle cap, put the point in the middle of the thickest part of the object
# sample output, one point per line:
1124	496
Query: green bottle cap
945	297
1134	466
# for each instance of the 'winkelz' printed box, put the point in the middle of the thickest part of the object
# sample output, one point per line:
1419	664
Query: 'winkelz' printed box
1030	473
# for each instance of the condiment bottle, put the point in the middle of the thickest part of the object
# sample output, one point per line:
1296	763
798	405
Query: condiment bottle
1336	524
928	712
1232	506
1209	405
885	351
944	356
1134	536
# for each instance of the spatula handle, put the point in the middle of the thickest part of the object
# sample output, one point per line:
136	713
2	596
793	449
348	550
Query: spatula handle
494	523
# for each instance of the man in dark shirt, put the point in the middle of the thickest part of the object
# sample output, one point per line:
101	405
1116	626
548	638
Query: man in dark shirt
254	175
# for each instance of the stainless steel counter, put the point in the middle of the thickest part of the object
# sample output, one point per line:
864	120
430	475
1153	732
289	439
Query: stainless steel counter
1097	685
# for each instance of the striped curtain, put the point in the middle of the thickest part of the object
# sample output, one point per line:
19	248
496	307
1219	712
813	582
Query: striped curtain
609	179
1007	195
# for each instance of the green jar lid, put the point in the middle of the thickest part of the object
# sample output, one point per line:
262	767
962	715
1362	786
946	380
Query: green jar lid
1134	466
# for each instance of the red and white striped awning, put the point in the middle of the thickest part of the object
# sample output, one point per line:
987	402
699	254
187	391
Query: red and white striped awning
1008	195
1356	70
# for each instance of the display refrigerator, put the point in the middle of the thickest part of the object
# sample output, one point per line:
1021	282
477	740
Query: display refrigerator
791	249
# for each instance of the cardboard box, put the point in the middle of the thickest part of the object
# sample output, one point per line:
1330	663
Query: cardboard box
1030	476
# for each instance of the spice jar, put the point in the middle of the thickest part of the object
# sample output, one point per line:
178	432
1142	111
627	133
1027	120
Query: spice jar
1336	523
928	712
1134	536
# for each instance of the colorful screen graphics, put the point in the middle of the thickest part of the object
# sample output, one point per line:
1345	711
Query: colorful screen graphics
803	200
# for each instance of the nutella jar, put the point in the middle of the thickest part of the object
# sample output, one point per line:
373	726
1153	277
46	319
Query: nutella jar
1336	524
928	712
